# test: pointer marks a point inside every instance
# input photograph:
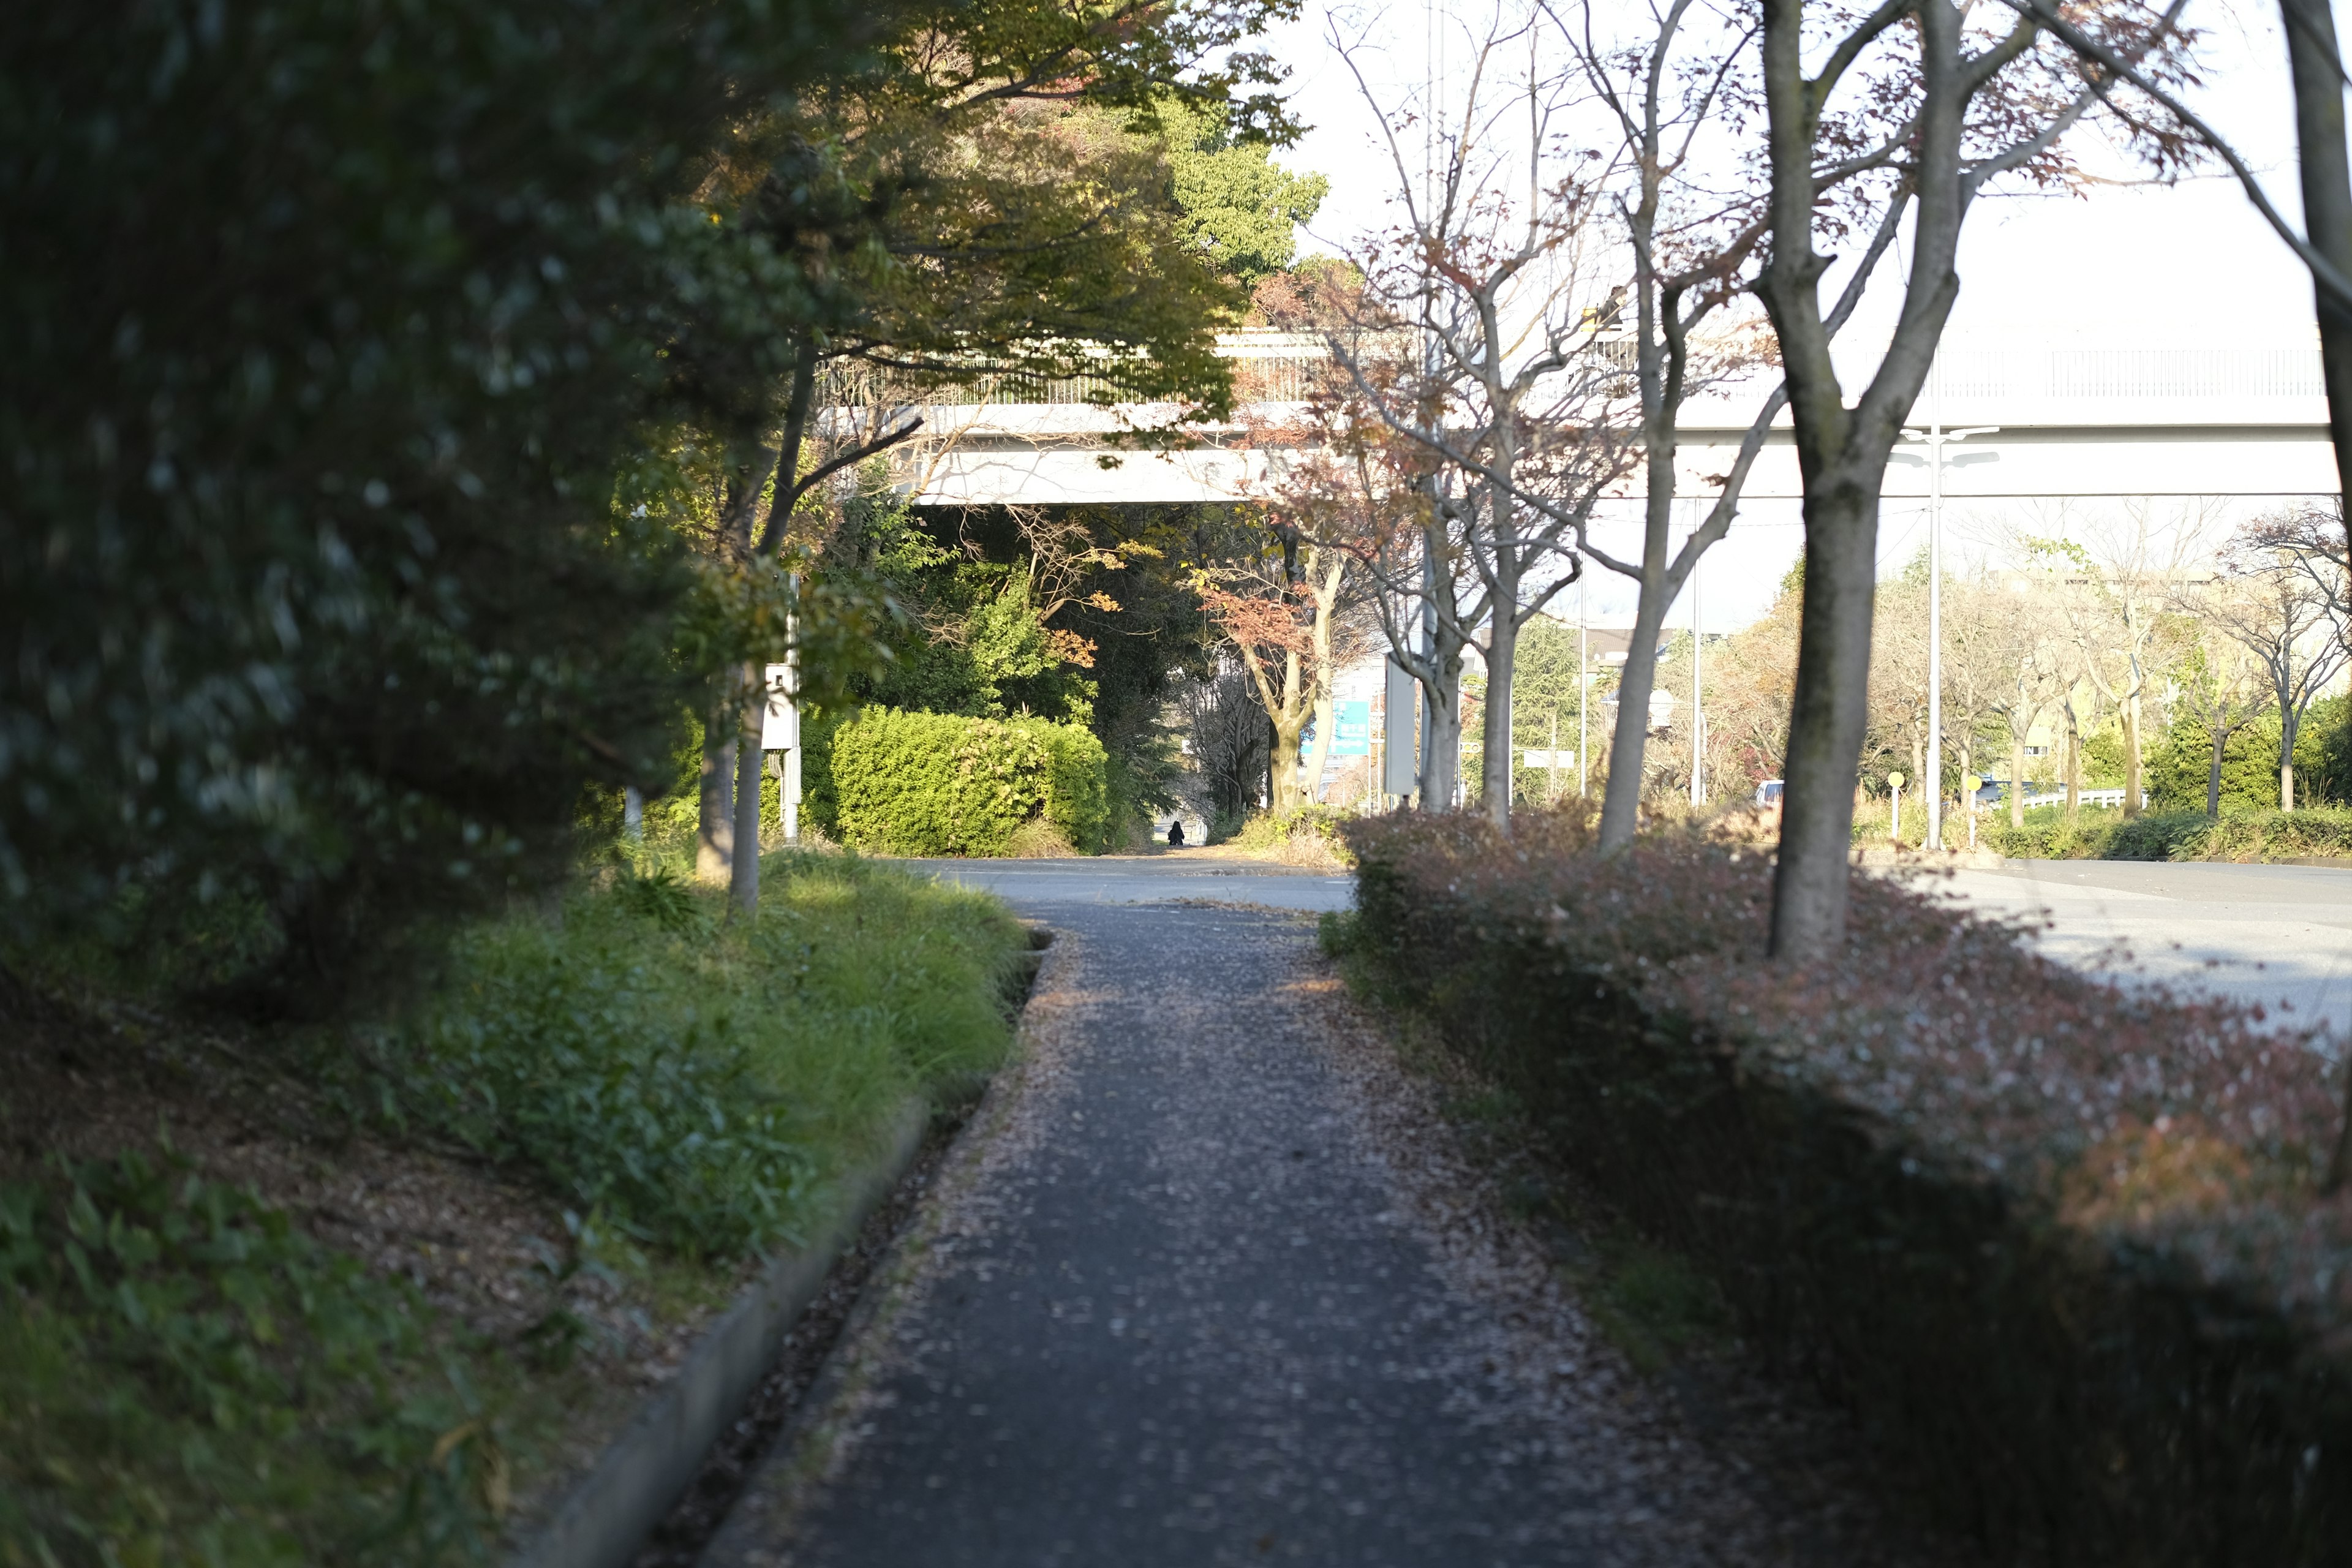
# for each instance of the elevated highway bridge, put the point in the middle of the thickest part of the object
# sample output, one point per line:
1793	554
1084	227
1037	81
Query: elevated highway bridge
2245	420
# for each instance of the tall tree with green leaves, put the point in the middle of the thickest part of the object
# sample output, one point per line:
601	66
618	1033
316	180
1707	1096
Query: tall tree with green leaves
1240	208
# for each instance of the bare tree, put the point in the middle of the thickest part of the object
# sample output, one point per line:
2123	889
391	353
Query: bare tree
1693	249
2223	687
2035	683
1511	404
1985	646
2284	606
1225	736
2116	594
1279	611
1975	105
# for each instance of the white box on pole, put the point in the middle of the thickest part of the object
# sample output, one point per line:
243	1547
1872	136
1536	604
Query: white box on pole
780	725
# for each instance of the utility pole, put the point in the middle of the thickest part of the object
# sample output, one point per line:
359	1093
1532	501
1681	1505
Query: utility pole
1935	438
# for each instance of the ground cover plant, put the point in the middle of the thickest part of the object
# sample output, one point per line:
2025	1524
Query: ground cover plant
2312	832
184	1377
2061	1247
226	1366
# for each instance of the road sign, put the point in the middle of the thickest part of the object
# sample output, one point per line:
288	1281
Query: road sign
1351	730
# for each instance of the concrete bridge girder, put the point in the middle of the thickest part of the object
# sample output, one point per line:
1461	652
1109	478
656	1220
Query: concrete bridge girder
2204	440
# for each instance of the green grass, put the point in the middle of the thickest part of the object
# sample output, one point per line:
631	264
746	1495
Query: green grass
186	1378
694	1078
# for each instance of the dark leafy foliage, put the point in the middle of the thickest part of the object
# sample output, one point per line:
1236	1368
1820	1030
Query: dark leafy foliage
327	328
2059	1244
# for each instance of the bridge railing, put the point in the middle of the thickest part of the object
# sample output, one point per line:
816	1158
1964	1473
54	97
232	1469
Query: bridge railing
2023	373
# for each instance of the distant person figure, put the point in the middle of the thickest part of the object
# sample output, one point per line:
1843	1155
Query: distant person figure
1176	834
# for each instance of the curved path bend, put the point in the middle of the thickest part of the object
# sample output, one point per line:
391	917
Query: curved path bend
1202	1284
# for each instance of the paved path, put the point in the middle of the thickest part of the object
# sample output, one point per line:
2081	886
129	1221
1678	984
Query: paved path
1199	874
1196	1288
2277	935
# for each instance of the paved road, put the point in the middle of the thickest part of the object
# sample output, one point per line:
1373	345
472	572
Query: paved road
1185	1296
2277	935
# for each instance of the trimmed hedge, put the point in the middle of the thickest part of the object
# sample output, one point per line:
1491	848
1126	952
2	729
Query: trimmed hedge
935	783
2058	1244
2236	835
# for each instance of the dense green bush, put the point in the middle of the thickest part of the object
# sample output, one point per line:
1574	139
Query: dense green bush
934	783
2058	1244
693	1075
185	1378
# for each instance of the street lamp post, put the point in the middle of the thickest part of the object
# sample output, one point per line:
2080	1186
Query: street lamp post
1935	438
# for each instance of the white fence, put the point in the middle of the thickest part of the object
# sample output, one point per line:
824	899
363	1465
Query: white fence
2087	797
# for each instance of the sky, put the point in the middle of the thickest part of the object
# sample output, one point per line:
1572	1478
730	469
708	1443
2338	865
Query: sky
2126	263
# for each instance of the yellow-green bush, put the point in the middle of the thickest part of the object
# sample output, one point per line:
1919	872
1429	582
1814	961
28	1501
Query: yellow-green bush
936	784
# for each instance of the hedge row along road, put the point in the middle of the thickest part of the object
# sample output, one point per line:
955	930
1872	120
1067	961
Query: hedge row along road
2276	935
1201	1285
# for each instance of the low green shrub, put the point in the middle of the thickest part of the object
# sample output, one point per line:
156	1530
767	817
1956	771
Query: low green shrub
185	1379
2240	836
2059	1244
1313	835
935	783
692	1076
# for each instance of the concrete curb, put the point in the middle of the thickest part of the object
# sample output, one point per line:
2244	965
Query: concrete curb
608	1512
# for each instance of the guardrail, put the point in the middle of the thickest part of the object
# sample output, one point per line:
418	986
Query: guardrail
2086	797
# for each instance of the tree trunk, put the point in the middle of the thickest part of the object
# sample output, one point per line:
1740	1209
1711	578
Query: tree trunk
1502	651
714	837
2213	776
2316	64
2016	780
1828	714
1620	803
1289	784
743	881
1966	800
1324	698
1920	782
2131	755
2289	722
1442	776
2073	769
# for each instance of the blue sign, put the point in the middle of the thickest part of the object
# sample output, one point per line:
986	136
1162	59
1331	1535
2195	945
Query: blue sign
1351	730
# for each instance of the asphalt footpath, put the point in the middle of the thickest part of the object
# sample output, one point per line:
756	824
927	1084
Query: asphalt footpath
1188	1291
